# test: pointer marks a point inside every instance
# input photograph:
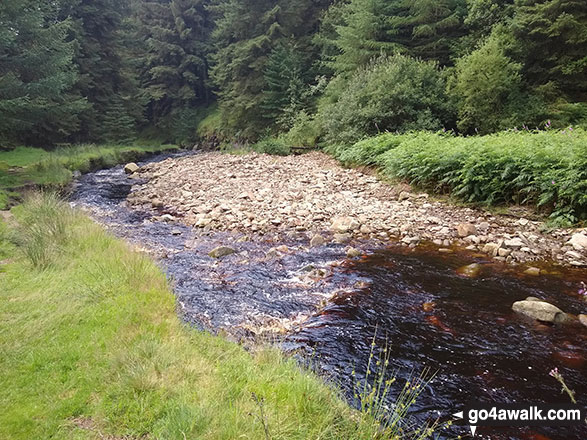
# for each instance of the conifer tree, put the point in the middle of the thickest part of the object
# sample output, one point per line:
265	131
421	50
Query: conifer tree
553	37
36	74
175	63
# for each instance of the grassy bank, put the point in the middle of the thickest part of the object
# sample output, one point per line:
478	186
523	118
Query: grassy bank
91	347
546	170
24	167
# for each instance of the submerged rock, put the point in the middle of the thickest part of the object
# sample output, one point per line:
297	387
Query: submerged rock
352	252
470	271
131	168
533	271
583	319
221	251
540	310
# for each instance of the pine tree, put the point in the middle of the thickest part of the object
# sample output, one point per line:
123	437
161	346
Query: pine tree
175	63
553	36
36	74
97	32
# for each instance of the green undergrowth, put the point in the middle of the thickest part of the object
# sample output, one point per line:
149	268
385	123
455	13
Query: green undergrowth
546	170
25	167
91	348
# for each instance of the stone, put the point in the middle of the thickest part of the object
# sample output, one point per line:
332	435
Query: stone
583	319
156	203
176	232
484	227
470	271
344	224
532	271
504	252
404	195
578	241
466	229
131	168
221	251
491	249
540	310
514	243
523	222
342	238
352	252
317	240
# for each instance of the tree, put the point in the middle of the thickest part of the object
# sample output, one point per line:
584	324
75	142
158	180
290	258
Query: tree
36	74
175	63
487	87
553	38
397	93
104	77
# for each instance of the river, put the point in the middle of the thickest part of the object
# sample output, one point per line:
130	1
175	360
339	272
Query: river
327	310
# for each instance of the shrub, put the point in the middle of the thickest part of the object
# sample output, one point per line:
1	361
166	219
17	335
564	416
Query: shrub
43	227
546	169
395	93
487	89
272	146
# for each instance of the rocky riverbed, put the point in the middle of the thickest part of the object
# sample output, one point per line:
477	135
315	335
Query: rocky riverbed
312	196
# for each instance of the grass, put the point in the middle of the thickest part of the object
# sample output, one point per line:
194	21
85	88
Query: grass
24	167
546	170
91	348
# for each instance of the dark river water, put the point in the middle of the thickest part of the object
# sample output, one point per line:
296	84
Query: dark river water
328	310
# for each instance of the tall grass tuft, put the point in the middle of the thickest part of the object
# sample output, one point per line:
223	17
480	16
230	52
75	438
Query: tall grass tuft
391	413
43	221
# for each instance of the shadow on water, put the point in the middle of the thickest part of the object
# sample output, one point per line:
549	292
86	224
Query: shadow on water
329	309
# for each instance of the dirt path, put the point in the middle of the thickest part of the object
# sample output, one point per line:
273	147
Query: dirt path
313	195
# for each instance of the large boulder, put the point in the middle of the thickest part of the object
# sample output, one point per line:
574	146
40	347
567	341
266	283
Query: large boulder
221	251
131	168
540	310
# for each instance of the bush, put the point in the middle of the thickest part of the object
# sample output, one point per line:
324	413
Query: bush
487	88
545	169
395	93
272	146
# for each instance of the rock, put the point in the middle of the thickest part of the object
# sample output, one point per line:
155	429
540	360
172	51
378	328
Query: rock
491	249
342	238
428	306
221	251
317	240
131	168
583	319
352	252
466	229
514	243
176	232
540	310
573	254
578	241
168	218
156	203
504	252
523	222
484	227
445	251
404	195
532	271
344	224
470	271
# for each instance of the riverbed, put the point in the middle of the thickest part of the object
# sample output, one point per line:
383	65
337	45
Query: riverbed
326	308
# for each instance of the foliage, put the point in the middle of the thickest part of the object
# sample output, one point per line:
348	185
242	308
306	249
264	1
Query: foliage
36	74
546	169
395	93
553	35
272	146
140	371
488	90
